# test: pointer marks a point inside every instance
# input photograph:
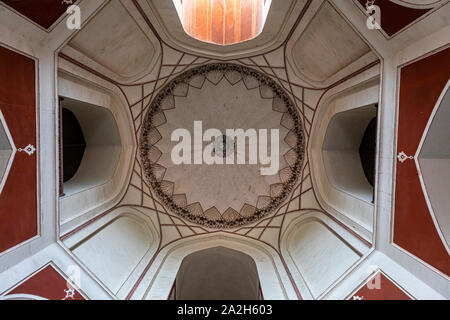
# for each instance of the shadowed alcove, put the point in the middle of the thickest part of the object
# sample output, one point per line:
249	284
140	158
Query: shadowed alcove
74	144
217	274
91	145
349	151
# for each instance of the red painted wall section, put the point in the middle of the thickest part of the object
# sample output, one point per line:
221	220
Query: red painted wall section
421	84
43	12
379	287
395	17
49	284
18	199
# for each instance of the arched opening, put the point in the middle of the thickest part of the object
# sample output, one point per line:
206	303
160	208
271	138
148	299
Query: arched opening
433	159
223	22
91	145
367	151
6	152
217	274
349	151
74	144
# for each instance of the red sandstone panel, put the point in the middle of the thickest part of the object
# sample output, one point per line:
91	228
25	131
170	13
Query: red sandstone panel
47	283
421	84
379	287
43	12
18	200
395	17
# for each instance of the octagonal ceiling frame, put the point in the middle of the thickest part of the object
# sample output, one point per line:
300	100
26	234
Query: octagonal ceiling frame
4	177
419	171
179	59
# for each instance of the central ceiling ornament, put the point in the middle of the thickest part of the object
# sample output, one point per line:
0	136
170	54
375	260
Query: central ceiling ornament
224	146
221	96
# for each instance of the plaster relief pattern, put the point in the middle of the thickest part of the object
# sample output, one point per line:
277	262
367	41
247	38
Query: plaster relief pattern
231	202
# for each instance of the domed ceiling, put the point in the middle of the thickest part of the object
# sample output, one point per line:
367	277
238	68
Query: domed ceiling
260	90
231	191
196	163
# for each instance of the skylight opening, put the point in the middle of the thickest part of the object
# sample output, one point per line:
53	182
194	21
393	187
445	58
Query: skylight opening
223	22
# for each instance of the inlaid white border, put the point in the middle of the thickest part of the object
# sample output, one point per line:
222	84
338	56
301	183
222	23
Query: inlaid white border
416	160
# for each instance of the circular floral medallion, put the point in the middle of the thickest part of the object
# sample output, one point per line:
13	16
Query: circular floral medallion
222	97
